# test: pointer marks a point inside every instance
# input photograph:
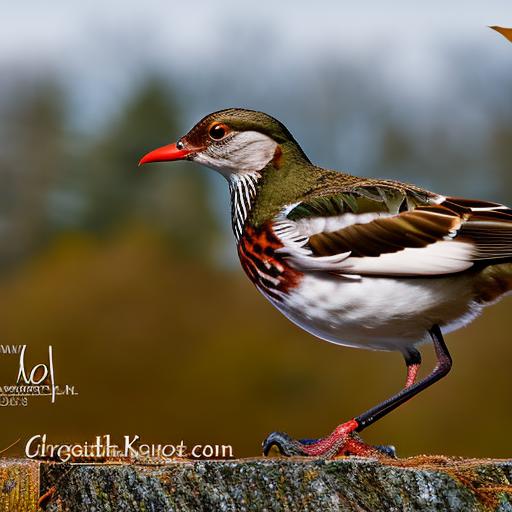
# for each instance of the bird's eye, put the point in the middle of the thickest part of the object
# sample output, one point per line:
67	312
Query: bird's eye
218	131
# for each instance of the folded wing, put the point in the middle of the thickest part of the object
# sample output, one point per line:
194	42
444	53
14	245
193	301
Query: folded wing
408	236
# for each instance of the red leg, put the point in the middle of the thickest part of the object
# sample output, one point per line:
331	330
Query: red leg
342	433
412	371
337	441
413	361
342	441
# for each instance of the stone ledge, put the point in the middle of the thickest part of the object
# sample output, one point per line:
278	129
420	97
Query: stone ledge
416	484
19	485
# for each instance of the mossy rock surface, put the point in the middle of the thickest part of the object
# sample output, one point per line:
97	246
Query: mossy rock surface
19	485
419	483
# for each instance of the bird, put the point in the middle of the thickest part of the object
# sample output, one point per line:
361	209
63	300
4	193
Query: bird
361	262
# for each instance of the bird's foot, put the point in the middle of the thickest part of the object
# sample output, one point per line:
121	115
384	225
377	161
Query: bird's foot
344	440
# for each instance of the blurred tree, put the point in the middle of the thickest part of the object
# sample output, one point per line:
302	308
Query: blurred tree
174	200
397	149
501	154
30	163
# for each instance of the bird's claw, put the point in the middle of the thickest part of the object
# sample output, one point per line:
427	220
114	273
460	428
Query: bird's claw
286	445
387	449
290	447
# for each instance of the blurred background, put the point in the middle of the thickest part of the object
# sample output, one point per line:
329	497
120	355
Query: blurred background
131	274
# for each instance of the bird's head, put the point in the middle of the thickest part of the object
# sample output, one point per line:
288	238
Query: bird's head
231	141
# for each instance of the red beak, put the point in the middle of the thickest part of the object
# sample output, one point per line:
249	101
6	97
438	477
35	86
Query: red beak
165	154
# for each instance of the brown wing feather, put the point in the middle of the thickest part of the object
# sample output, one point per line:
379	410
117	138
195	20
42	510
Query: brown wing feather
488	227
416	228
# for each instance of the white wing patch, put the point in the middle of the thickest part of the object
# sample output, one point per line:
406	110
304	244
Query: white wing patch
443	257
294	241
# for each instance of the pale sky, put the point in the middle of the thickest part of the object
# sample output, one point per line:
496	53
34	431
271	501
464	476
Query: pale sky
78	35
103	48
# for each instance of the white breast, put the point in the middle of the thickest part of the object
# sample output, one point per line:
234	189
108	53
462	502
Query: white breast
379	313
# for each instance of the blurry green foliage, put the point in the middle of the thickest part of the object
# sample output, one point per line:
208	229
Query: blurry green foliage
56	180
118	192
501	141
32	163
